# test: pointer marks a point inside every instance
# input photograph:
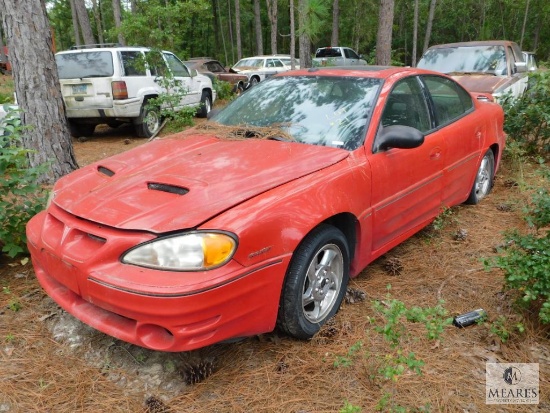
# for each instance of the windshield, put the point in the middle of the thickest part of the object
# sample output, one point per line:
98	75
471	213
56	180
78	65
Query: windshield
250	63
327	111
84	64
469	59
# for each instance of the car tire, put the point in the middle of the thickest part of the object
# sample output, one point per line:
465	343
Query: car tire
239	89
148	122
484	179
205	105
254	81
315	283
79	130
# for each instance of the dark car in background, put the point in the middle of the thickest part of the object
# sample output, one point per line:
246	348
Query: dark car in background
215	70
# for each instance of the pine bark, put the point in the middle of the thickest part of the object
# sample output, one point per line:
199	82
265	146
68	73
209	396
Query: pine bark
84	21
258	28
304	42
272	14
117	13
76	27
37	86
384	36
238	29
431	15
335	23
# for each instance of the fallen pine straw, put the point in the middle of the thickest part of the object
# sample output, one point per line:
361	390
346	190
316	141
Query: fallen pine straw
241	132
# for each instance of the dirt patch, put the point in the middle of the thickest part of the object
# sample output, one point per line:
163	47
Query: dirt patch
52	362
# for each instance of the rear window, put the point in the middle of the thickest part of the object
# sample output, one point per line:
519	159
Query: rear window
84	64
329	52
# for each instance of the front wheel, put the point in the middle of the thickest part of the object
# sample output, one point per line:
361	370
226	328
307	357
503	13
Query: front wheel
484	179
316	282
148	122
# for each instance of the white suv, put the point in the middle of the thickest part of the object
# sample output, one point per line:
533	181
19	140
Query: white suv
113	85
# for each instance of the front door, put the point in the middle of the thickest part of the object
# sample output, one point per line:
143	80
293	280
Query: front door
407	184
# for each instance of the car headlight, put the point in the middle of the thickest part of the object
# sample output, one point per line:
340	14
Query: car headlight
188	252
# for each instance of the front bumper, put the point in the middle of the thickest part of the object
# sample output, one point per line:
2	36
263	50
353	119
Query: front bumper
77	264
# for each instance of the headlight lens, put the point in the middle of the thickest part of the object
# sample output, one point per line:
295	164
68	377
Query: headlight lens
189	252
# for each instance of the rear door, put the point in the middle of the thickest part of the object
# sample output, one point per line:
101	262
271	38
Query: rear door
407	183
463	139
85	78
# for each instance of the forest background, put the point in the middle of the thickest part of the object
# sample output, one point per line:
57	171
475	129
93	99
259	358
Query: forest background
228	30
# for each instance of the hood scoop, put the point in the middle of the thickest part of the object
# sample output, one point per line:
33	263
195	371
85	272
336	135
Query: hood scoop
171	189
105	171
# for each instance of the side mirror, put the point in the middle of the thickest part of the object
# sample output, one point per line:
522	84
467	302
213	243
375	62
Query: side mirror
398	136
521	67
193	72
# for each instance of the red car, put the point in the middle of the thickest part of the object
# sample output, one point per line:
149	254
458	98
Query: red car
258	218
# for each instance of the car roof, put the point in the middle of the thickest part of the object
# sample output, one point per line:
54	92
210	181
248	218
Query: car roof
379	72
107	49
475	43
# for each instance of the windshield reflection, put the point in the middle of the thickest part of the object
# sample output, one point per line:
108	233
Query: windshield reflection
328	111
469	59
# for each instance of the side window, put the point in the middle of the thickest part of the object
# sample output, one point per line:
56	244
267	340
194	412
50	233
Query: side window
177	68
406	106
133	62
450	100
350	54
156	63
278	63
215	67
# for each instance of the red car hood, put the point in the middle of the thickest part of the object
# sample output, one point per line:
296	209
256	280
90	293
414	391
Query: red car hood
480	83
180	182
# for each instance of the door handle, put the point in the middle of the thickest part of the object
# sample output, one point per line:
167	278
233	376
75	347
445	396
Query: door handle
435	154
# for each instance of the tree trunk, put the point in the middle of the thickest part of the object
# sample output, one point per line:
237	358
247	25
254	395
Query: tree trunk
258	28
238	29
75	24
3	57
118	21
429	26
84	21
384	35
304	40
37	86
215	26
97	17
524	23
292	36
415	33
272	14
335	23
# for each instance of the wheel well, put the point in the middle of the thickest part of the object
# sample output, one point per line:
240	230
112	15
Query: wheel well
346	223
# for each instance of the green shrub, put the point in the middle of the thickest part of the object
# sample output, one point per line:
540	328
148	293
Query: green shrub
527	118
224	90
21	197
525	259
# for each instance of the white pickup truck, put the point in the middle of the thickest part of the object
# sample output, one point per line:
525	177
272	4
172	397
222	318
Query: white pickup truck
337	56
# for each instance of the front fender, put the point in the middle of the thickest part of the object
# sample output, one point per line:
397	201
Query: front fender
272	224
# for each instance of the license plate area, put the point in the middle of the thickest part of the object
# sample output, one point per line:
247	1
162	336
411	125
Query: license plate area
80	89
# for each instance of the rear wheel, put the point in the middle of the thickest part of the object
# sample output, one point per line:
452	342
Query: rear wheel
148	122
484	179
316	282
205	106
